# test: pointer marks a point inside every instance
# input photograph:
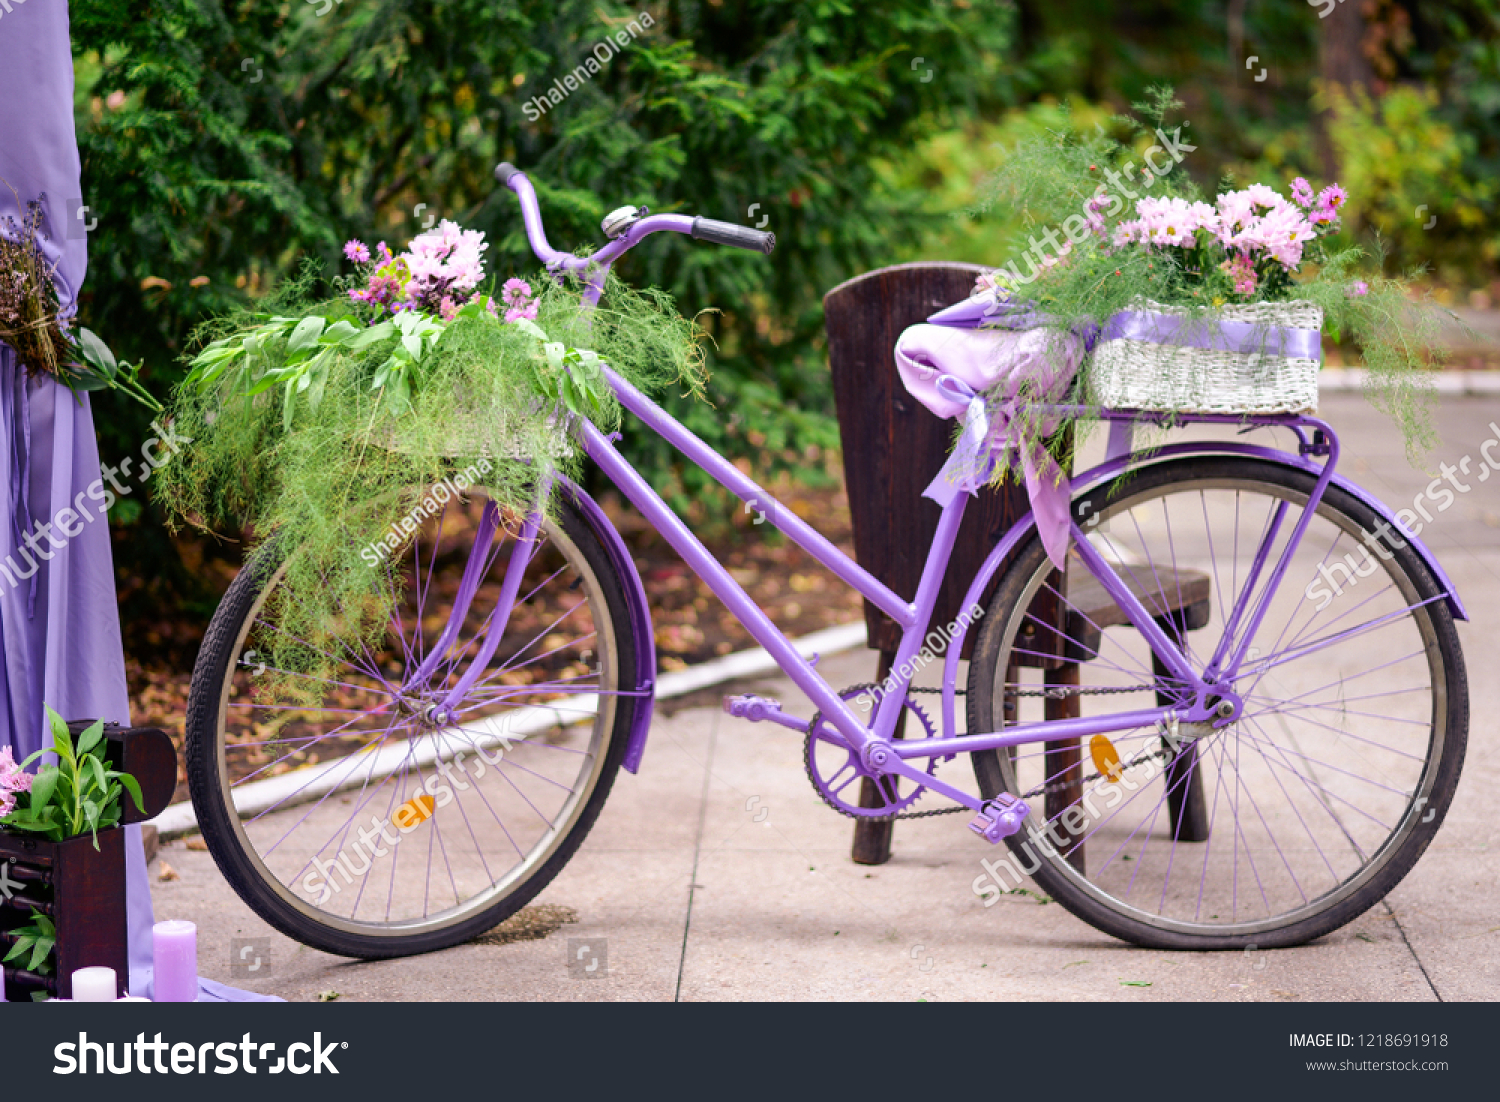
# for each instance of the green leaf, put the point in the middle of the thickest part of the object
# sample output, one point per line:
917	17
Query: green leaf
42	787
531	327
96	770
133	788
373	335
96	353
90	737
305	335
39	954
62	742
339	333
23	942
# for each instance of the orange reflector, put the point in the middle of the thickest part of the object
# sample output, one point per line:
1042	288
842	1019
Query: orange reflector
1106	757
414	812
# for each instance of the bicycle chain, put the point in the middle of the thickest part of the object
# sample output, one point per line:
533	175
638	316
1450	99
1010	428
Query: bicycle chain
1054	692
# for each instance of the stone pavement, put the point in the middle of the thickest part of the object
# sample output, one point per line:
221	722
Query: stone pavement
717	874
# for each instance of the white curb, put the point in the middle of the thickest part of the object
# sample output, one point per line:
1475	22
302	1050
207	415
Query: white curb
1471	384
319	780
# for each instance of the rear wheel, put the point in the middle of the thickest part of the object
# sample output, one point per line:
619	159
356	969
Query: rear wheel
1296	818
355	816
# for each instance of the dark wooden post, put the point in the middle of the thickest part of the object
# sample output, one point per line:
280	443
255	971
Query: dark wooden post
893	447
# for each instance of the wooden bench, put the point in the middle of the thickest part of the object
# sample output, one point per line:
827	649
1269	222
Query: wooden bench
893	446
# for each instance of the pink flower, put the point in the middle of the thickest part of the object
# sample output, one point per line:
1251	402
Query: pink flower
1357	288
7	803
1332	198
447	310
514	292
12	777
355	250
1242	271
1263	196
1282	233
1302	192
526	312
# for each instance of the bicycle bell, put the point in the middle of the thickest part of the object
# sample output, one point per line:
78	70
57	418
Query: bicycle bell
617	221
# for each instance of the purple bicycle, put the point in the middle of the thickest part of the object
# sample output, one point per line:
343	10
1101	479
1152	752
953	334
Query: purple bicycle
1262	735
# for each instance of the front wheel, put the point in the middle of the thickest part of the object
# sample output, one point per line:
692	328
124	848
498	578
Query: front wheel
1296	818
356	815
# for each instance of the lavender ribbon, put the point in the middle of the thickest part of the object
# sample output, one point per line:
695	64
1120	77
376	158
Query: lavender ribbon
1220	336
986	312
970	463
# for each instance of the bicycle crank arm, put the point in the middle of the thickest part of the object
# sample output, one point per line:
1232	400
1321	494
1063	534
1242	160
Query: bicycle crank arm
759	708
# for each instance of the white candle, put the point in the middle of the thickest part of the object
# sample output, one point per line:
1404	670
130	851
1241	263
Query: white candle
94	985
131	999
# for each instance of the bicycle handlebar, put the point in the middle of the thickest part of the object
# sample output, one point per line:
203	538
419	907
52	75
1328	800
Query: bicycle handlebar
727	233
703	229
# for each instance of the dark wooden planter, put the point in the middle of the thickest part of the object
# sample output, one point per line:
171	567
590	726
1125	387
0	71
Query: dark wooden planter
81	889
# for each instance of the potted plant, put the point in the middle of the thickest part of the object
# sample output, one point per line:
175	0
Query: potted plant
62	852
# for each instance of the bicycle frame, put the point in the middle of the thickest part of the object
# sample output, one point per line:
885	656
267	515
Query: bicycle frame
1207	694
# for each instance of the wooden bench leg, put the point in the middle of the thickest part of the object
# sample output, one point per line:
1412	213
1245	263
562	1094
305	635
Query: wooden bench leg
872	841
1185	802
1063	759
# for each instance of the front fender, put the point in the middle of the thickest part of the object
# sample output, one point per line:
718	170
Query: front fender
641	680
1092	477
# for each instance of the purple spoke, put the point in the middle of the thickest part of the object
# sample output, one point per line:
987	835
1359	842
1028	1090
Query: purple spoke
1273	711
1348	680
1239	836
1341	733
1327	641
1311	782
1307	829
301	707
1213	557
486	625
493	675
310	742
353	760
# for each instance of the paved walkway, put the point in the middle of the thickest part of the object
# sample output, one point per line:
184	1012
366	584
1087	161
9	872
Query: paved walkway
718	874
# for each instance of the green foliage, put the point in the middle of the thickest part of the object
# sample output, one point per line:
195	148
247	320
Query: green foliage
36	938
255	135
1407	166
80	793
324	428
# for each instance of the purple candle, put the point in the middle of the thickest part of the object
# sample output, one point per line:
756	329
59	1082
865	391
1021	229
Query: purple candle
175	952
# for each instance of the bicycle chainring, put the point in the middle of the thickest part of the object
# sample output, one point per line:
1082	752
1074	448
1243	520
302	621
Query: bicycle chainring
838	774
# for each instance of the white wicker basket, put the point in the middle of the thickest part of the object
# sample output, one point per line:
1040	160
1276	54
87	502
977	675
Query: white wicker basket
1140	374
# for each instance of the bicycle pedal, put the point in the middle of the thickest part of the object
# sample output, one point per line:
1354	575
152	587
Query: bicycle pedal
1000	818
751	707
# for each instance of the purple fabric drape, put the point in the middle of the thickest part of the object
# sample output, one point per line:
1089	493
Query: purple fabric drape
59	626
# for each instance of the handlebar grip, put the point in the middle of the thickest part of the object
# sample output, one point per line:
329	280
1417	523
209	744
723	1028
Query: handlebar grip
727	233
505	171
